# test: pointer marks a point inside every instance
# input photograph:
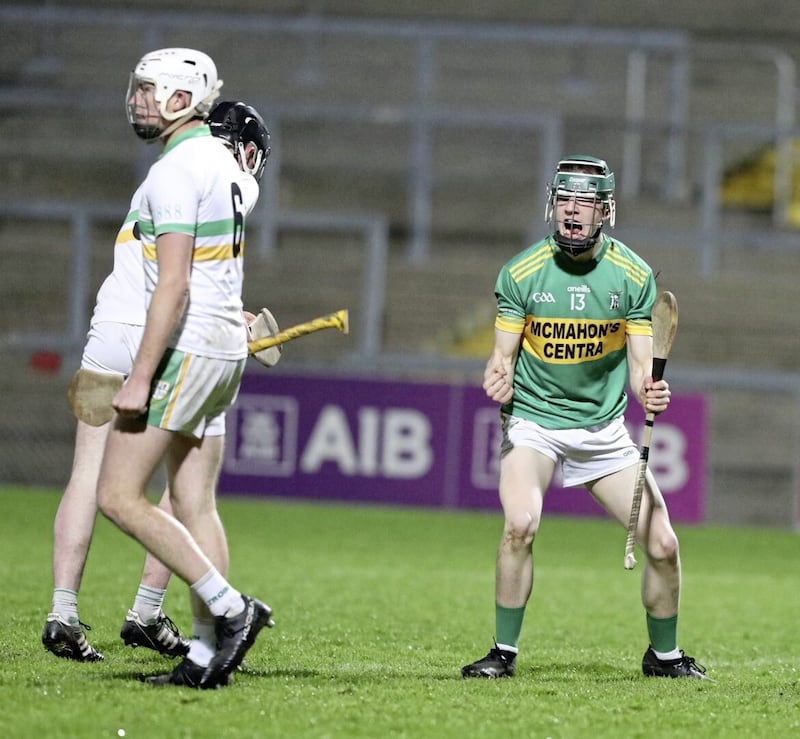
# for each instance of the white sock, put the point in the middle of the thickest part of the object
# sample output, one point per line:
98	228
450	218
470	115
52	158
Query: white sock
666	656
508	648
204	642
148	603
65	604
218	594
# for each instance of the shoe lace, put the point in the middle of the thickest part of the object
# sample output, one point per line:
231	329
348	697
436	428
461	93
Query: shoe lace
497	653
691	663
168	632
80	638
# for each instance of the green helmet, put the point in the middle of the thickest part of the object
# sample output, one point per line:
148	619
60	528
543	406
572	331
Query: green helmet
584	175
586	178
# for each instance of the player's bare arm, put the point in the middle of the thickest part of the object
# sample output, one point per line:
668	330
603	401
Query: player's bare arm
166	309
498	377
653	395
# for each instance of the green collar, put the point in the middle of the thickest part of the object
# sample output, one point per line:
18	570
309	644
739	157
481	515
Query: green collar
191	133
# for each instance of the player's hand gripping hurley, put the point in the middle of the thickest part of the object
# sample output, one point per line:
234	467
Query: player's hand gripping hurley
665	324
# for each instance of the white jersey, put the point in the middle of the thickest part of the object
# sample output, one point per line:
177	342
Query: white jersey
120	298
196	188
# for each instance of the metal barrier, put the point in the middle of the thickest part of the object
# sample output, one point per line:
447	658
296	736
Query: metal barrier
372	229
425	112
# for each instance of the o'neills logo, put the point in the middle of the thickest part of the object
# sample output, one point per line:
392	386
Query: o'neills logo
571	341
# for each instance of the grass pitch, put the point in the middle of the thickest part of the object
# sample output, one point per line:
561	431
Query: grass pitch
378	608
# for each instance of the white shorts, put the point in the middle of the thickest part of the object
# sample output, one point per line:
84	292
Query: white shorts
582	454
111	347
191	393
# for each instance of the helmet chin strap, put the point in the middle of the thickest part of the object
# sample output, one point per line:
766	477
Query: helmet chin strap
576	247
176	124
197	111
241	156
151	133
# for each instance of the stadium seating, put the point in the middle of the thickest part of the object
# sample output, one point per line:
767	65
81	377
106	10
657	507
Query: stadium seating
69	141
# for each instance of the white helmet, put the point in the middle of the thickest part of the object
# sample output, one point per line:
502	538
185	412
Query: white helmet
170	70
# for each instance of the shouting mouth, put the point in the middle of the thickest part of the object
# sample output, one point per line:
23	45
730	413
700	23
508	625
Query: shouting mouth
572	229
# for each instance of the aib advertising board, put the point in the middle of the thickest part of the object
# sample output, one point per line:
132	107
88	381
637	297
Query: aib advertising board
420	444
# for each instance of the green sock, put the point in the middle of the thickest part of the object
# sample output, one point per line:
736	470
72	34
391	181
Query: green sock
663	633
508	624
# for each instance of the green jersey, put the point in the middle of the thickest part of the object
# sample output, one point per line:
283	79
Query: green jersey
573	318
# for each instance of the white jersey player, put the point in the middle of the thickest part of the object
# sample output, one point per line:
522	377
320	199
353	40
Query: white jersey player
114	336
196	188
189	363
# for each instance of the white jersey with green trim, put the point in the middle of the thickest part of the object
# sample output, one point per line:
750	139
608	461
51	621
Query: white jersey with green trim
120	298
573	318
196	188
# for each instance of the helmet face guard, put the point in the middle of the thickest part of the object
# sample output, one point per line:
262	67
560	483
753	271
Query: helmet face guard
169	71
588	184
238	125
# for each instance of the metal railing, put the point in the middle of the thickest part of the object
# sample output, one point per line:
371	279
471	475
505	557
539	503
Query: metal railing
425	113
81	217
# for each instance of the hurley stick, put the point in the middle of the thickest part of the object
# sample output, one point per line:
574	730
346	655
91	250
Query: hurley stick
665	324
90	393
338	320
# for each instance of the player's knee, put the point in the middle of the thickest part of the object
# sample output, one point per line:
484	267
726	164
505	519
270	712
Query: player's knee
112	507
663	546
520	527
106	505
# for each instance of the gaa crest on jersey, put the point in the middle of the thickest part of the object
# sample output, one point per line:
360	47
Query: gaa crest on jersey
613	299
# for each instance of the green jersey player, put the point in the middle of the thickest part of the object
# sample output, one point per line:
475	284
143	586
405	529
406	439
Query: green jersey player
573	330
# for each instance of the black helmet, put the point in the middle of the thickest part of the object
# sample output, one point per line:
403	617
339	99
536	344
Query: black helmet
239	124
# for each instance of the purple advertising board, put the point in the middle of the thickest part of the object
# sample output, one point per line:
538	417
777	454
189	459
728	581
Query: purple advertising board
421	444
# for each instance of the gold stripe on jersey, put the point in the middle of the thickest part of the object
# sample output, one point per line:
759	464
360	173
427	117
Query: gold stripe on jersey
640	327
218	253
201	253
125	235
532	263
633	270
126	230
572	341
512	324
176	390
